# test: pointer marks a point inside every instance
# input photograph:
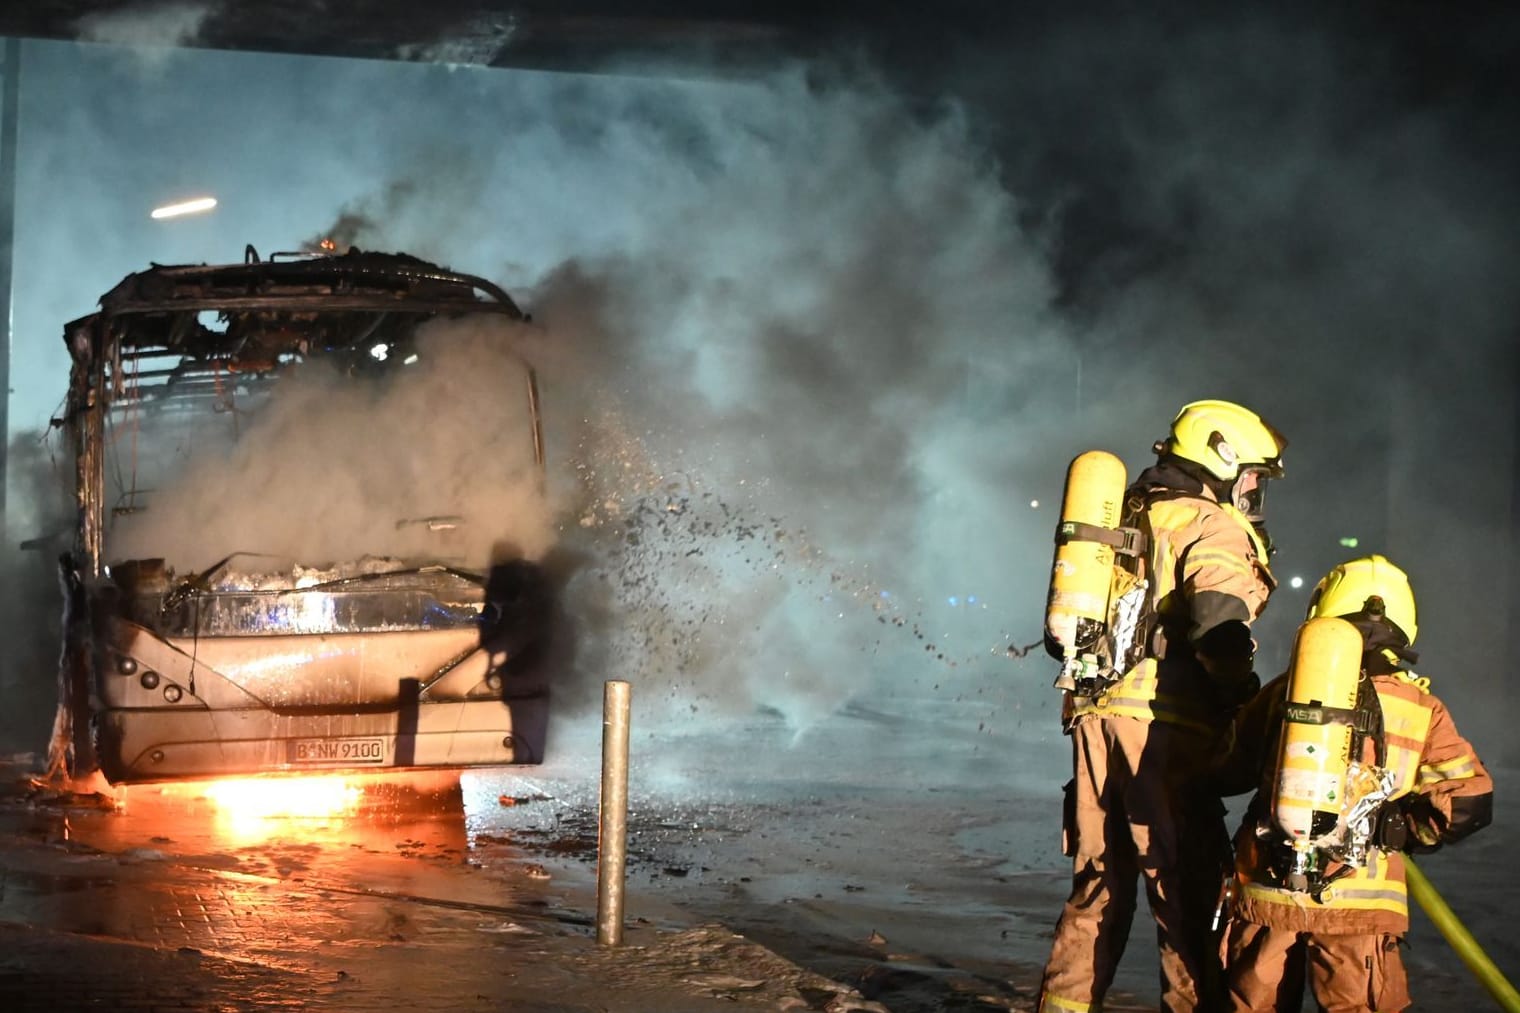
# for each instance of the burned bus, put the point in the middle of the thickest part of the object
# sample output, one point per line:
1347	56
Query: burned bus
310	524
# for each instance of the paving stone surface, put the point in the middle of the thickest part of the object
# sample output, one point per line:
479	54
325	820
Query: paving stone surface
83	929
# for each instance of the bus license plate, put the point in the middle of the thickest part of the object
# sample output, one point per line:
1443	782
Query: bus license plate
337	751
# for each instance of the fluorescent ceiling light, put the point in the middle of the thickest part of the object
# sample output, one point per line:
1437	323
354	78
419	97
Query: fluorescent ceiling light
188	207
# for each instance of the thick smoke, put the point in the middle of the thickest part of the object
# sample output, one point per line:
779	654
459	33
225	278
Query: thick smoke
150	29
478	40
1304	214
781	381
335	468
37	525
816	348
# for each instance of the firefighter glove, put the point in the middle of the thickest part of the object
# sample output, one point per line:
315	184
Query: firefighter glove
1423	822
1392	832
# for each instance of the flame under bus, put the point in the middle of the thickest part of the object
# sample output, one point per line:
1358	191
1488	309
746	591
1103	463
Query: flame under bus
415	655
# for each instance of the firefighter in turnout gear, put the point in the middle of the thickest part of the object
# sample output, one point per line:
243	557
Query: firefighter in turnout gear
1143	733
1407	782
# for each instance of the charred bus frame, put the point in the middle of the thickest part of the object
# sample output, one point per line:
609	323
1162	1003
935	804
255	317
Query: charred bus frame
433	675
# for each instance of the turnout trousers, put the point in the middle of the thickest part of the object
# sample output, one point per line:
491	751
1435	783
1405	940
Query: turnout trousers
1136	811
1361	973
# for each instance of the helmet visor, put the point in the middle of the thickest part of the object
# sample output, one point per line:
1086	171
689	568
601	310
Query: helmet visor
1249	494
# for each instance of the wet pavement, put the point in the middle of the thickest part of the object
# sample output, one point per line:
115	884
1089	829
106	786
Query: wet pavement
162	904
847	867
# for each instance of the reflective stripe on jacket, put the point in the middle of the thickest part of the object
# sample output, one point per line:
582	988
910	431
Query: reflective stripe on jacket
1427	755
1200	550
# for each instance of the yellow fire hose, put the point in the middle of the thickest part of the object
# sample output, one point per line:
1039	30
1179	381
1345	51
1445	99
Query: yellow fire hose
1460	939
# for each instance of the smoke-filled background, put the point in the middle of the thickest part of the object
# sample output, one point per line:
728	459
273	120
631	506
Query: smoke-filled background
818	340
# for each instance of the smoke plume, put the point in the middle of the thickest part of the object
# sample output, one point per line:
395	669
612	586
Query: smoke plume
817	344
148	29
334	469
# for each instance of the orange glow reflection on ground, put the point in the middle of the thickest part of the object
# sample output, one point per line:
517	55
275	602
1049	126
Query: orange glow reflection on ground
247	803
313	807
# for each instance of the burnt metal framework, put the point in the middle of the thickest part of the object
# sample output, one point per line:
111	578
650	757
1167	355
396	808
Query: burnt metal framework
276	312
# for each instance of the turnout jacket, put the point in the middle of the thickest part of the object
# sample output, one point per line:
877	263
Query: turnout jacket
1209	581
1441	788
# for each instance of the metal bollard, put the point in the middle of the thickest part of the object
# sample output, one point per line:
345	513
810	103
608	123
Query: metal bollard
612	837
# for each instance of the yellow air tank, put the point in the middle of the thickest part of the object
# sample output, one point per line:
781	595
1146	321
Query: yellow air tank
1082	577
1310	785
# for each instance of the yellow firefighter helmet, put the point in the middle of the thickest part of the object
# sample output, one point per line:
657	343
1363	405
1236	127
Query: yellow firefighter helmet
1224	438
1349	589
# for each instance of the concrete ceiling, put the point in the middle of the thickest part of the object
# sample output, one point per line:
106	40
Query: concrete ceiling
569	35
1443	47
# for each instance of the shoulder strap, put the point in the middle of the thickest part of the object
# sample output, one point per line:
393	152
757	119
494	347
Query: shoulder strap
1369	722
1126	541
